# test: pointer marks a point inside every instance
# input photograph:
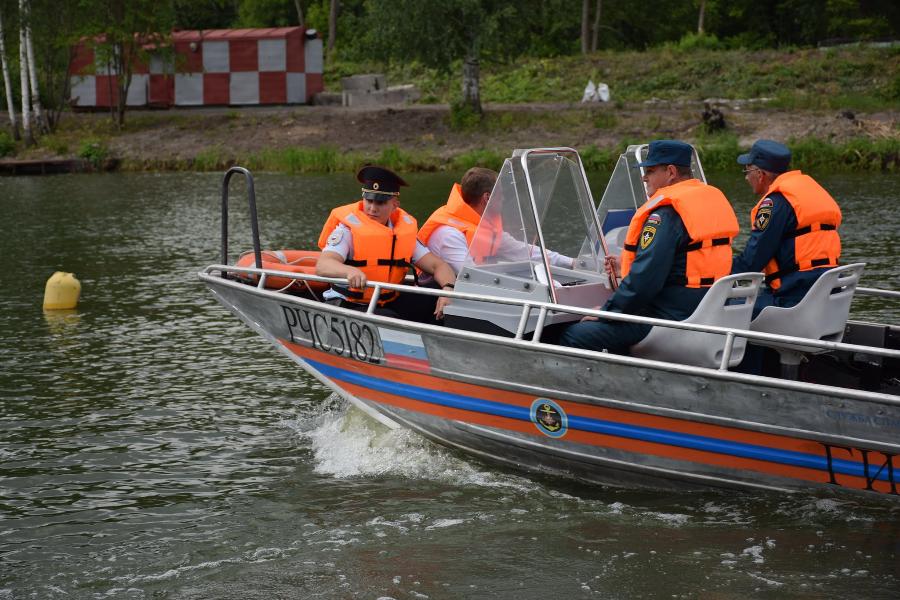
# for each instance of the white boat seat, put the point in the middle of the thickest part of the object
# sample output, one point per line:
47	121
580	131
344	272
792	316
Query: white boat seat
728	303
821	315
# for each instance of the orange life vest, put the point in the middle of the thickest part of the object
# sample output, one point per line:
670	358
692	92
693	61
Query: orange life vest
816	240
382	253
710	222
459	215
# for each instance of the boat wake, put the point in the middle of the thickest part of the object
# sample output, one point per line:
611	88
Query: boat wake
347	443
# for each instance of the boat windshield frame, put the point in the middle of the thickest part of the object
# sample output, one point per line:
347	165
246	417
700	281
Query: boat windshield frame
531	215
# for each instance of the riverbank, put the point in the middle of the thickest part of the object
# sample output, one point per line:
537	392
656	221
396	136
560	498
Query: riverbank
838	109
425	138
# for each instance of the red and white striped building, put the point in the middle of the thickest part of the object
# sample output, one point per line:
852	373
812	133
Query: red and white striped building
280	65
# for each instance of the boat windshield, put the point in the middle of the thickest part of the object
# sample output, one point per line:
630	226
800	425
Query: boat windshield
538	239
537	218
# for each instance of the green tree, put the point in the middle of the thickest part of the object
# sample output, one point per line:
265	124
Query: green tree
205	14
267	13
443	33
56	27
7	80
123	32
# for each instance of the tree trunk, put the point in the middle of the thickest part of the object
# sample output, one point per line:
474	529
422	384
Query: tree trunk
111	88
595	36
585	27
40	123
23	81
8	84
471	85
123	62
332	25
299	8
700	18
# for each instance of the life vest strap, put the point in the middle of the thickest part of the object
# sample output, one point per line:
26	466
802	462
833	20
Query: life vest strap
382	262
393	262
810	229
702	282
631	247
722	241
816	262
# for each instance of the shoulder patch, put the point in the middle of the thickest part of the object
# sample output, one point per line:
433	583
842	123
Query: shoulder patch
647	235
766	202
653	219
763	218
336	236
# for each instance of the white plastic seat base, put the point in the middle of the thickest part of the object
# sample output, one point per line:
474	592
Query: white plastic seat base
821	315
728	303
823	312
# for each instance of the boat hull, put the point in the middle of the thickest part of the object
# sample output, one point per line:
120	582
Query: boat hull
593	417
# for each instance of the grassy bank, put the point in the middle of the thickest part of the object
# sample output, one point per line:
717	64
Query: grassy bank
854	78
838	110
717	153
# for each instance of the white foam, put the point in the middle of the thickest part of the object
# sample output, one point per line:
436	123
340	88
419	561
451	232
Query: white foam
346	443
754	552
441	523
765	580
673	519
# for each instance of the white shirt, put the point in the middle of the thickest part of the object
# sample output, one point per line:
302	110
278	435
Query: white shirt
449	244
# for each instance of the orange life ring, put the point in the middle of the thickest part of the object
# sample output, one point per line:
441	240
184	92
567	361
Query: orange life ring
293	261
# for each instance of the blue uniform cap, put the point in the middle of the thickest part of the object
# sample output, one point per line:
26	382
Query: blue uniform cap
668	152
768	156
379	184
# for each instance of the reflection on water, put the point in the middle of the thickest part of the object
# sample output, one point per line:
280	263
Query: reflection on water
153	447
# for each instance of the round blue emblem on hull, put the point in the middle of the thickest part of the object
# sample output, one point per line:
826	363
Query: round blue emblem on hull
549	417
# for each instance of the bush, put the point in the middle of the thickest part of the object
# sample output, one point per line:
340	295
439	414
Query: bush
698	41
94	151
7	144
490	159
463	116
596	159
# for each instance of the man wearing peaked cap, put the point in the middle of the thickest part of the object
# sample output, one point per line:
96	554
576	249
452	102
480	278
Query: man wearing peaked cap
678	244
374	239
378	183
793	236
667	152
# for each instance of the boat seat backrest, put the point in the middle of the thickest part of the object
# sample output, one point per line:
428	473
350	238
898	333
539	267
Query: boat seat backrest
728	303
821	315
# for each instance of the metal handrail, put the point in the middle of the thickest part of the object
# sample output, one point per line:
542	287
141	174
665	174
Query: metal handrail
254	226
548	307
877	292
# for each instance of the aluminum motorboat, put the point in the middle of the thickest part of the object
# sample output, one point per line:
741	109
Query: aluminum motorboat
672	414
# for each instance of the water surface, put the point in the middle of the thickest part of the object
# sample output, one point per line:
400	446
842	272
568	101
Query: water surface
151	446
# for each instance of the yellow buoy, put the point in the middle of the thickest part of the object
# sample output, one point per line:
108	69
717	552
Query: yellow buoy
62	291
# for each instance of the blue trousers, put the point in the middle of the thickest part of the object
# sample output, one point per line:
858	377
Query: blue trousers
614	336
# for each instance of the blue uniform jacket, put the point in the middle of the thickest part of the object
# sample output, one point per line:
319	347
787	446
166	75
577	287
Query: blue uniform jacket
654	285
768	240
